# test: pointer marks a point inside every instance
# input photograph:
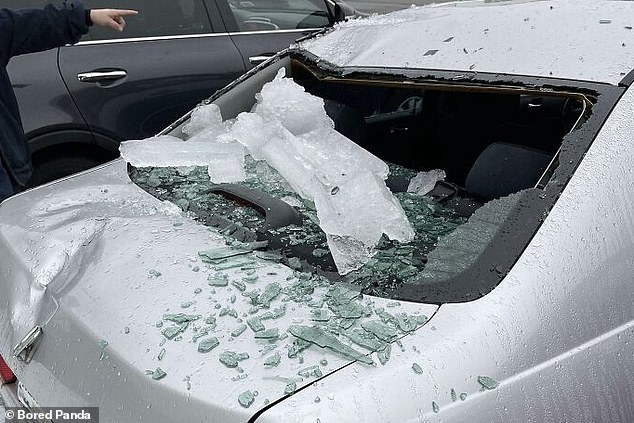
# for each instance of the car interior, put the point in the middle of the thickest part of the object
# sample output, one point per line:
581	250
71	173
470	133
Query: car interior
490	141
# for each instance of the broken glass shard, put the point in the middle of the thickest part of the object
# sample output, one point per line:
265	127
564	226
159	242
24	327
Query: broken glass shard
241	376
239	285
295	263
235	262
319	337
255	324
384	354
310	371
238	331
161	354
246	399
231	358
158	374
319	315
215	255
290	388
365	339
417	369
351	310
172	331
380	330
271	291
218	279
270	334
227	311
275	314
181	317
435	407
273	360
408	323
341	295
487	382
200	333
297	347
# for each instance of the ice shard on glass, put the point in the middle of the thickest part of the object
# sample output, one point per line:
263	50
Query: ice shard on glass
290	129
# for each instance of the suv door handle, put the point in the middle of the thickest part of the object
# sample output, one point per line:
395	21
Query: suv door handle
256	60
102	75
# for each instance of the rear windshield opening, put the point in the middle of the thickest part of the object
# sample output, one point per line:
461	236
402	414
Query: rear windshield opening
459	157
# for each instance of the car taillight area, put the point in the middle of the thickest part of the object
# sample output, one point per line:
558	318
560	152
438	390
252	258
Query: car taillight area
6	374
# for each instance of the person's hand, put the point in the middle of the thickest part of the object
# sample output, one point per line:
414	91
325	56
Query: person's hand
111	18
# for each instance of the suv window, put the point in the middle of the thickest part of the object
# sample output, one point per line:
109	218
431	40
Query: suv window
156	18
273	15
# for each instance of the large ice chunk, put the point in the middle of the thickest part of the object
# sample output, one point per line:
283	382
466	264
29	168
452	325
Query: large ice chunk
290	129
206	124
355	215
225	160
286	102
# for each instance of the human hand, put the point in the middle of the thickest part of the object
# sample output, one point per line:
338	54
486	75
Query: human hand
111	18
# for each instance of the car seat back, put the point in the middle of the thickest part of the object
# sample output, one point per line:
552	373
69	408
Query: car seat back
502	169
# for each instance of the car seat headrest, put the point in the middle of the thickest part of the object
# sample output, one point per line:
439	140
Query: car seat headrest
502	169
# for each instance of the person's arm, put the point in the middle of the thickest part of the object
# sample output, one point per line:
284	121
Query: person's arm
110	18
31	30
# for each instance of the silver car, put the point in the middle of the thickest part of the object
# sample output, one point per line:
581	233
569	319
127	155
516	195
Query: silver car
423	216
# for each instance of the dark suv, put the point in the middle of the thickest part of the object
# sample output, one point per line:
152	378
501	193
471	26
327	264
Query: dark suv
78	102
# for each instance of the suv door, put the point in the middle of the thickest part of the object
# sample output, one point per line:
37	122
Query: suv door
260	28
133	84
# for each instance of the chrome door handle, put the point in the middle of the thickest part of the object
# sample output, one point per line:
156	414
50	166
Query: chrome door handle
256	60
98	76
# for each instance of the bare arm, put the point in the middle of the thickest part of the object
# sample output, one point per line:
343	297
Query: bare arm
111	18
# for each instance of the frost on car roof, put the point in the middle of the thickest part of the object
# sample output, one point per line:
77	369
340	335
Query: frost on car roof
584	40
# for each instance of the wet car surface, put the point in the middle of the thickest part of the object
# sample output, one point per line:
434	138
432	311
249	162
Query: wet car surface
235	268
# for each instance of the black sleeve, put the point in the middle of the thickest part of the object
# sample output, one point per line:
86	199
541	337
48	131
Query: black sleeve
31	30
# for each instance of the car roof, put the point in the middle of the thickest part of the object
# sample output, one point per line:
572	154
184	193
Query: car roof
588	40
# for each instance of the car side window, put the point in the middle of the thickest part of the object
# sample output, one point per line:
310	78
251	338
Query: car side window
156	18
273	15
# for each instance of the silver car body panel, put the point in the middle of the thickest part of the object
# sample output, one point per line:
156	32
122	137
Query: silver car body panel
80	256
88	268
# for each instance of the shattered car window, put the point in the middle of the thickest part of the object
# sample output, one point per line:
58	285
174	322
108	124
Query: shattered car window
372	185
